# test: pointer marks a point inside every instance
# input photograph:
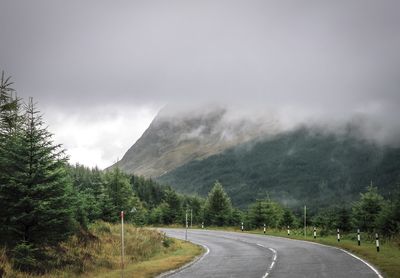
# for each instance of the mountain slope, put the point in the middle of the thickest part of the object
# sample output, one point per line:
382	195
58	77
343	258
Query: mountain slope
299	167
175	138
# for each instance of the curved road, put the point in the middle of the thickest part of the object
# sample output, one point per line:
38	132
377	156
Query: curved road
245	255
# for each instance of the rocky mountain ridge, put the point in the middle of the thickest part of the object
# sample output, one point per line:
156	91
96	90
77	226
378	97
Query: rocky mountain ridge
175	138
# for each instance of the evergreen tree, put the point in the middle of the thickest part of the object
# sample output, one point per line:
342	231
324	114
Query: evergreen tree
344	219
36	199
88	186
367	209
237	217
265	212
174	212
388	220
218	207
10	125
287	218
9	107
119	196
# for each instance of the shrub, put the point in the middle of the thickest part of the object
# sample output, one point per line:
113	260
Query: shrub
167	241
25	257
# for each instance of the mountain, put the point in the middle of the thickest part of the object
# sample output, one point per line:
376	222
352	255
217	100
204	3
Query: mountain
176	137
303	166
253	158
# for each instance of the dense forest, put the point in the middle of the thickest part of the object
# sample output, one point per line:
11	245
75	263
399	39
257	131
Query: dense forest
44	200
301	167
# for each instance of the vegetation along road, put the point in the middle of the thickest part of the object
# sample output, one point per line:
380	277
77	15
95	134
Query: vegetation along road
231	254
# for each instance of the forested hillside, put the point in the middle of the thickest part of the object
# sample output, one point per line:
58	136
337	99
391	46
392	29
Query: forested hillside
299	167
177	137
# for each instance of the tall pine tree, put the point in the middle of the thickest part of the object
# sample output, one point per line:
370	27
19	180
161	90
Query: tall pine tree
119	196
36	195
10	128
218	207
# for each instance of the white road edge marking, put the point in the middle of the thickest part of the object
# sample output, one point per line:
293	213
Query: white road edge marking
345	251
273	260
198	259
370	266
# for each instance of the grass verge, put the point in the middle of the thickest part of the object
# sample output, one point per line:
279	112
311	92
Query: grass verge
97	253
387	260
184	252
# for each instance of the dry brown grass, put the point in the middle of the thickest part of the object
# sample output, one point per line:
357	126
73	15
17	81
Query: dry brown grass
183	253
98	254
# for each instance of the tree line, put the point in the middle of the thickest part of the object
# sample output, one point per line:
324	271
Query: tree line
157	204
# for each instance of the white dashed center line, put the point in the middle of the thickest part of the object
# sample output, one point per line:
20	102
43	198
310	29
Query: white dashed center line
275	257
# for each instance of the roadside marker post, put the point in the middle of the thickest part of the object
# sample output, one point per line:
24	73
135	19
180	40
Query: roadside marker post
315	232
377	242
288	230
242	227
122	244
264	229
338	235
202	225
191	218
186	225
358	237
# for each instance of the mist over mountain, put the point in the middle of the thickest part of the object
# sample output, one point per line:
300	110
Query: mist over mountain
178	136
258	155
303	166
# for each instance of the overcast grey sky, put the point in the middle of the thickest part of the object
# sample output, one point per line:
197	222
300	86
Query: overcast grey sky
101	70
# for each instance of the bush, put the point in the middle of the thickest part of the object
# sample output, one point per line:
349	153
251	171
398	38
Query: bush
167	241
25	257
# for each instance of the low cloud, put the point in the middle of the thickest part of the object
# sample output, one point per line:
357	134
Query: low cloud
323	63
99	136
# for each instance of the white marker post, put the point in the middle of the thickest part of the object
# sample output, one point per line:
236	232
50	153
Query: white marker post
358	237
315	232
288	230
338	235
242	226
377	242
202	225
122	244
264	229
191	219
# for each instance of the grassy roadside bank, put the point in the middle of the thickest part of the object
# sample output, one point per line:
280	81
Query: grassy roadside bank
387	260
98	254
183	253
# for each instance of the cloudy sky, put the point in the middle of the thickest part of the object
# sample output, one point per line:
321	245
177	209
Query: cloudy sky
100	70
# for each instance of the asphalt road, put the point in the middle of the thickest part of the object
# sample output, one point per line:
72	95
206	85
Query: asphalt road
245	255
